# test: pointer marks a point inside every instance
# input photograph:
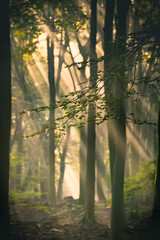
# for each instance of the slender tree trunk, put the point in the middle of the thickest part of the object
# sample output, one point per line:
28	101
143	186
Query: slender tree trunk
91	138
62	166
5	119
61	61
52	93
108	38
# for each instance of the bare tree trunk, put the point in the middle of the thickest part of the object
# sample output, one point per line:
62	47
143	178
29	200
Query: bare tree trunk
91	138
117	211
62	165
108	38
52	92
5	119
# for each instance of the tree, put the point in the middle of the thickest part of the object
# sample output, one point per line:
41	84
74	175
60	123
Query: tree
108	38
91	137
62	165
52	94
5	119
117	212
116	126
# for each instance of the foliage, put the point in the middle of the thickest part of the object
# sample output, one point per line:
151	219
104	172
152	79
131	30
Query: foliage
29	199
139	190
25	25
70	16
27	188
147	9
109	202
74	106
23	197
27	18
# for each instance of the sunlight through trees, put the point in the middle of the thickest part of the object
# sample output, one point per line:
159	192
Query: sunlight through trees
84	135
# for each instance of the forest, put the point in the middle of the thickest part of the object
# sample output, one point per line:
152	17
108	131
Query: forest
80	120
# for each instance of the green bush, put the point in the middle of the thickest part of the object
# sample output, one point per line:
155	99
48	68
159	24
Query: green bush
139	190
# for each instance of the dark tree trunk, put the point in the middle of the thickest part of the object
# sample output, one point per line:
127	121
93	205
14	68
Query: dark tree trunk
62	166
91	138
52	93
108	38
5	119
156	204
117	211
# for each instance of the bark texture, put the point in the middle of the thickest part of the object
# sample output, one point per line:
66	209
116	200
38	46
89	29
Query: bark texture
5	119
52	93
91	138
62	166
117	211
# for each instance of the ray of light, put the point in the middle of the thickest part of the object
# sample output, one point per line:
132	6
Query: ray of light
46	29
41	68
36	81
138	143
71	183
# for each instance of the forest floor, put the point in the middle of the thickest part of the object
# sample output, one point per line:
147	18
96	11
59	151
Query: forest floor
30	223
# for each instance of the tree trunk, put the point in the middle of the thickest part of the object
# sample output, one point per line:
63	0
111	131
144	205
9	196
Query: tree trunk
108	38
52	93
62	166
91	138
5	119
117	211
